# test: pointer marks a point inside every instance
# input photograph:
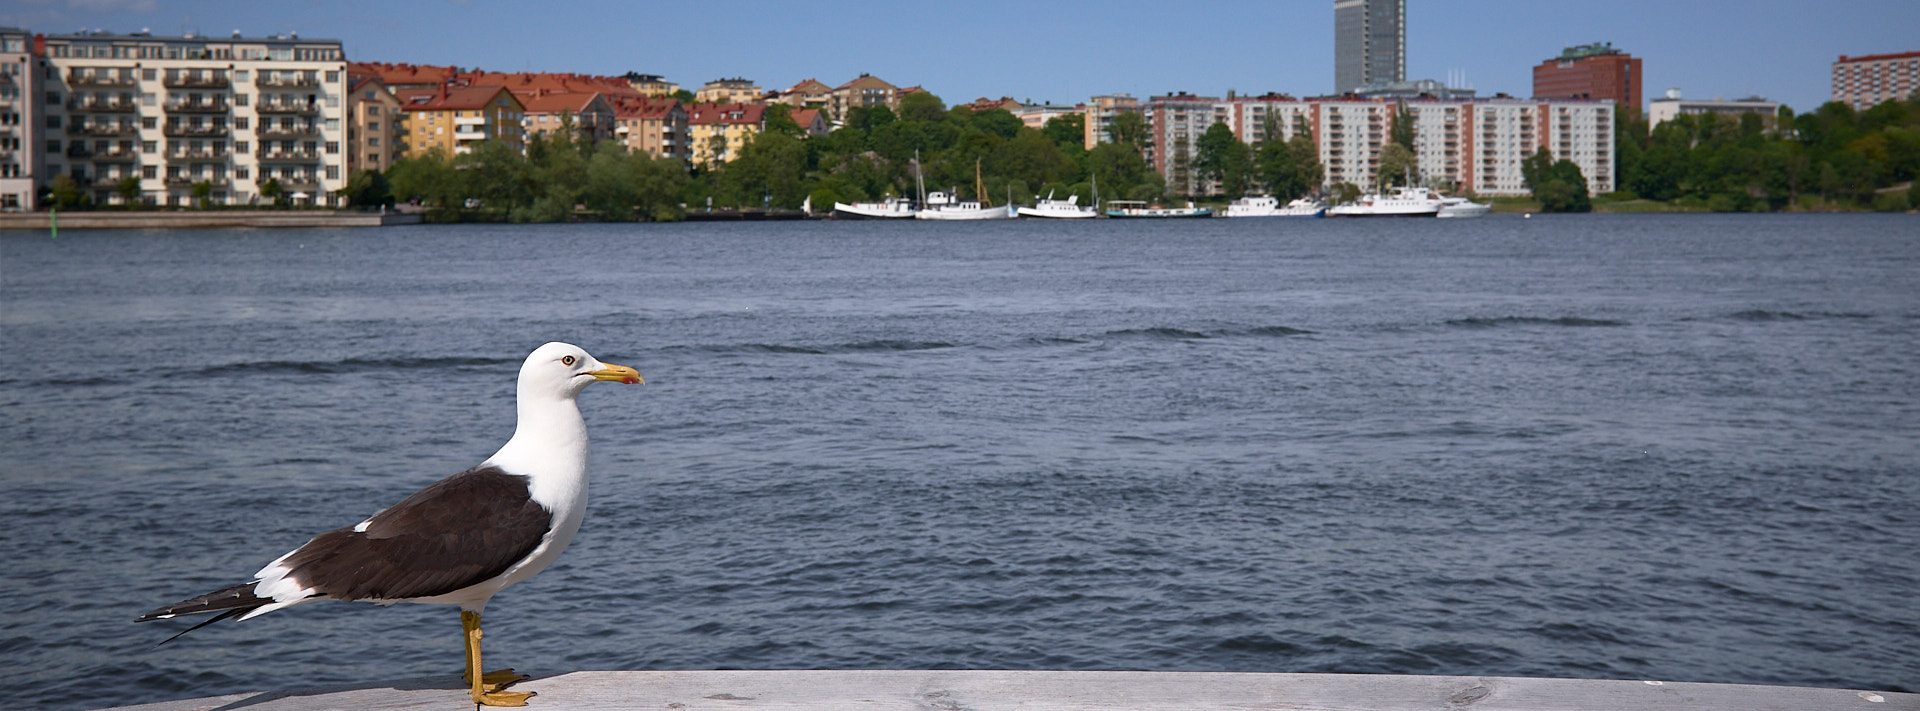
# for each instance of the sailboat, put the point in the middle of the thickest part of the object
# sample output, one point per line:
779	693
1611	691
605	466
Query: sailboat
949	206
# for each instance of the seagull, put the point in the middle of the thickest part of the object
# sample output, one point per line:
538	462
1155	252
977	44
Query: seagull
460	540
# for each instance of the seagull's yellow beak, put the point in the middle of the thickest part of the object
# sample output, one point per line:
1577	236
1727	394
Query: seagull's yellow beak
618	374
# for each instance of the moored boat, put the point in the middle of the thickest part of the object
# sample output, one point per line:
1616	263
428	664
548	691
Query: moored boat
949	206
1139	208
1269	206
892	208
1068	209
1459	207
1403	202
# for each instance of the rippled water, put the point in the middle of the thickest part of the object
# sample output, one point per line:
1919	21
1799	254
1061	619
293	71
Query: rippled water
1672	447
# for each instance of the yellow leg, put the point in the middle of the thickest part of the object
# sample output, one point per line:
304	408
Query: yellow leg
486	686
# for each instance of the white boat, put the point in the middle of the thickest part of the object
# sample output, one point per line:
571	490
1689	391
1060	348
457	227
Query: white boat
892	208
1458	207
1137	208
1404	202
947	206
1269	206
1068	209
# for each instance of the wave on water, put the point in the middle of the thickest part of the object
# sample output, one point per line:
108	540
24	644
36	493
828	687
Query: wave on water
785	349
1763	315
1503	321
1181	334
345	365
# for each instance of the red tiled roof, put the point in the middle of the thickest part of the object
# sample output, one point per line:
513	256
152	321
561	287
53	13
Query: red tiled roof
543	102
804	117
1878	57
447	98
726	113
402	73
629	107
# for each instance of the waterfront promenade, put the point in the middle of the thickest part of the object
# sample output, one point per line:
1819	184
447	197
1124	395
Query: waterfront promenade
202	220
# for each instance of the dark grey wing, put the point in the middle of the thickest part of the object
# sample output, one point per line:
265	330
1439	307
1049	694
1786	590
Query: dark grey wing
459	532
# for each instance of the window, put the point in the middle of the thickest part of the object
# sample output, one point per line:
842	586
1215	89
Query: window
333	172
149	146
241	146
147	74
53	146
239	99
241	173
149	172
241	122
148	122
333	147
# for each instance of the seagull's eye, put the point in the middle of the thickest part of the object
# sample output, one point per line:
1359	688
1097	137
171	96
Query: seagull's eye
566	360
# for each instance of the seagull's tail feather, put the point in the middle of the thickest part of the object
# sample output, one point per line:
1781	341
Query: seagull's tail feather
229	602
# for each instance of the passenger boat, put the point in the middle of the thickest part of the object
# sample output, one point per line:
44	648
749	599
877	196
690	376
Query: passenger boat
1269	206
1404	202
892	208
1138	208
1068	209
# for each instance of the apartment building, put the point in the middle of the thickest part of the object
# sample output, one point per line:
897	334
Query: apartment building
20	121
808	94
173	113
717	132
1174	125
1862	82
1590	71
728	91
458	119
373	125
650	85
1101	111
864	91
591	116
655	126
1475	145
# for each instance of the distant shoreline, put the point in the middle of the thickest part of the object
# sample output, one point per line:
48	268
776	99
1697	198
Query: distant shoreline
198	220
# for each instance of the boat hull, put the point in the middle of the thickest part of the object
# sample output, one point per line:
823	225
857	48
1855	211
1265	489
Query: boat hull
962	214
869	211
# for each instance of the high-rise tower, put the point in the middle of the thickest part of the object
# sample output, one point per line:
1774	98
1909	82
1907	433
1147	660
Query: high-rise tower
1369	43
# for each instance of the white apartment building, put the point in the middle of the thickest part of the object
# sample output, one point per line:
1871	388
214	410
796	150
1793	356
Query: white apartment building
1475	145
19	121
231	113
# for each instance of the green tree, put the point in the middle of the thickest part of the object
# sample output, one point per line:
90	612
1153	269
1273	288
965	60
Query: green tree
273	191
1558	185
129	191
1221	157
66	193
1130	127
1069	132
922	106
1398	166
1402	132
368	188
203	193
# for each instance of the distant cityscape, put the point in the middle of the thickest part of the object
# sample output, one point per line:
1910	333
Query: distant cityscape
171	120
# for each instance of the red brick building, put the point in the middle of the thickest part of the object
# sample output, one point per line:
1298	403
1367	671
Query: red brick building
1861	82
1594	71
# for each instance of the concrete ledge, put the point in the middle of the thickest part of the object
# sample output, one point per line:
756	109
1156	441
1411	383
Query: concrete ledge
200	220
1052	690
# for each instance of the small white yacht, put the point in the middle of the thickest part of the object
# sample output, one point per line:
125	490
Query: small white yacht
1269	206
892	208
1068	209
1458	207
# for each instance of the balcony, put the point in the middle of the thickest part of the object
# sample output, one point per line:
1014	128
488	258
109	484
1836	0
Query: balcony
193	82
101	105
304	182
198	107
110	129
272	132
181	181
288	107
200	156
279	156
79	150
196	131
286	81
99	80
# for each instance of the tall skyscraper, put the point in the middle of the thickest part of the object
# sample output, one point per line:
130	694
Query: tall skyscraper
1369	43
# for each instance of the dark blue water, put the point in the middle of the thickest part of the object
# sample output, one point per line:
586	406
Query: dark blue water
1663	447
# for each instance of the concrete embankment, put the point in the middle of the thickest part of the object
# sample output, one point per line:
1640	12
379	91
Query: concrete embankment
202	220
1057	691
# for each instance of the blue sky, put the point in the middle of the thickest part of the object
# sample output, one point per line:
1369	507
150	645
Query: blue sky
1059	51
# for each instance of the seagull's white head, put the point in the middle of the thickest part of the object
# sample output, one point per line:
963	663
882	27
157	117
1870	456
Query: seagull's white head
562	370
